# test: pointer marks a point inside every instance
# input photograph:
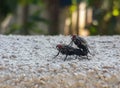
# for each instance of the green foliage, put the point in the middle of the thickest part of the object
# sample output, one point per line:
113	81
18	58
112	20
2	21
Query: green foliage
35	2
105	13
31	25
33	21
6	7
13	29
35	17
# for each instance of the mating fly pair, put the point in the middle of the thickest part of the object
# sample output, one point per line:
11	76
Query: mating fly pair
82	49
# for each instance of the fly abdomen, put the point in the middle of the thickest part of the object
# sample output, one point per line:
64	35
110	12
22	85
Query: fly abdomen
80	52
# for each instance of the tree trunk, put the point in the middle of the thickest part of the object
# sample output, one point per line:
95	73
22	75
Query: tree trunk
77	21
53	13
25	12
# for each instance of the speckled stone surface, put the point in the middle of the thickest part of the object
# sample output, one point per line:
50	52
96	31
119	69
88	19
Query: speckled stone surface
27	62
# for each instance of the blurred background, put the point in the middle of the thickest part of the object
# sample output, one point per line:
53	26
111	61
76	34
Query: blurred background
53	17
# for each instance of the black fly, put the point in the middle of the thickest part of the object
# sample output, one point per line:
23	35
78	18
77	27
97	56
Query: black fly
68	50
81	50
80	43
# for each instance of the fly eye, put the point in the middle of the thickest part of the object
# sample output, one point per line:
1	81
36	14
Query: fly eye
73	37
59	46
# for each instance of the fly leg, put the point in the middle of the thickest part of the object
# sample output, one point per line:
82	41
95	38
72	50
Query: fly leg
79	57
71	43
76	57
57	54
65	57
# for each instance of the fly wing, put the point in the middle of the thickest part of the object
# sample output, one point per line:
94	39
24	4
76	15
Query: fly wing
69	49
83	41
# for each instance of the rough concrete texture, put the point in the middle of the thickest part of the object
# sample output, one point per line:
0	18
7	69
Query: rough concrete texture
27	62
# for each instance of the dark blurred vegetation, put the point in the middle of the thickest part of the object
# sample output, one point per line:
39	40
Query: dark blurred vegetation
29	17
106	14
